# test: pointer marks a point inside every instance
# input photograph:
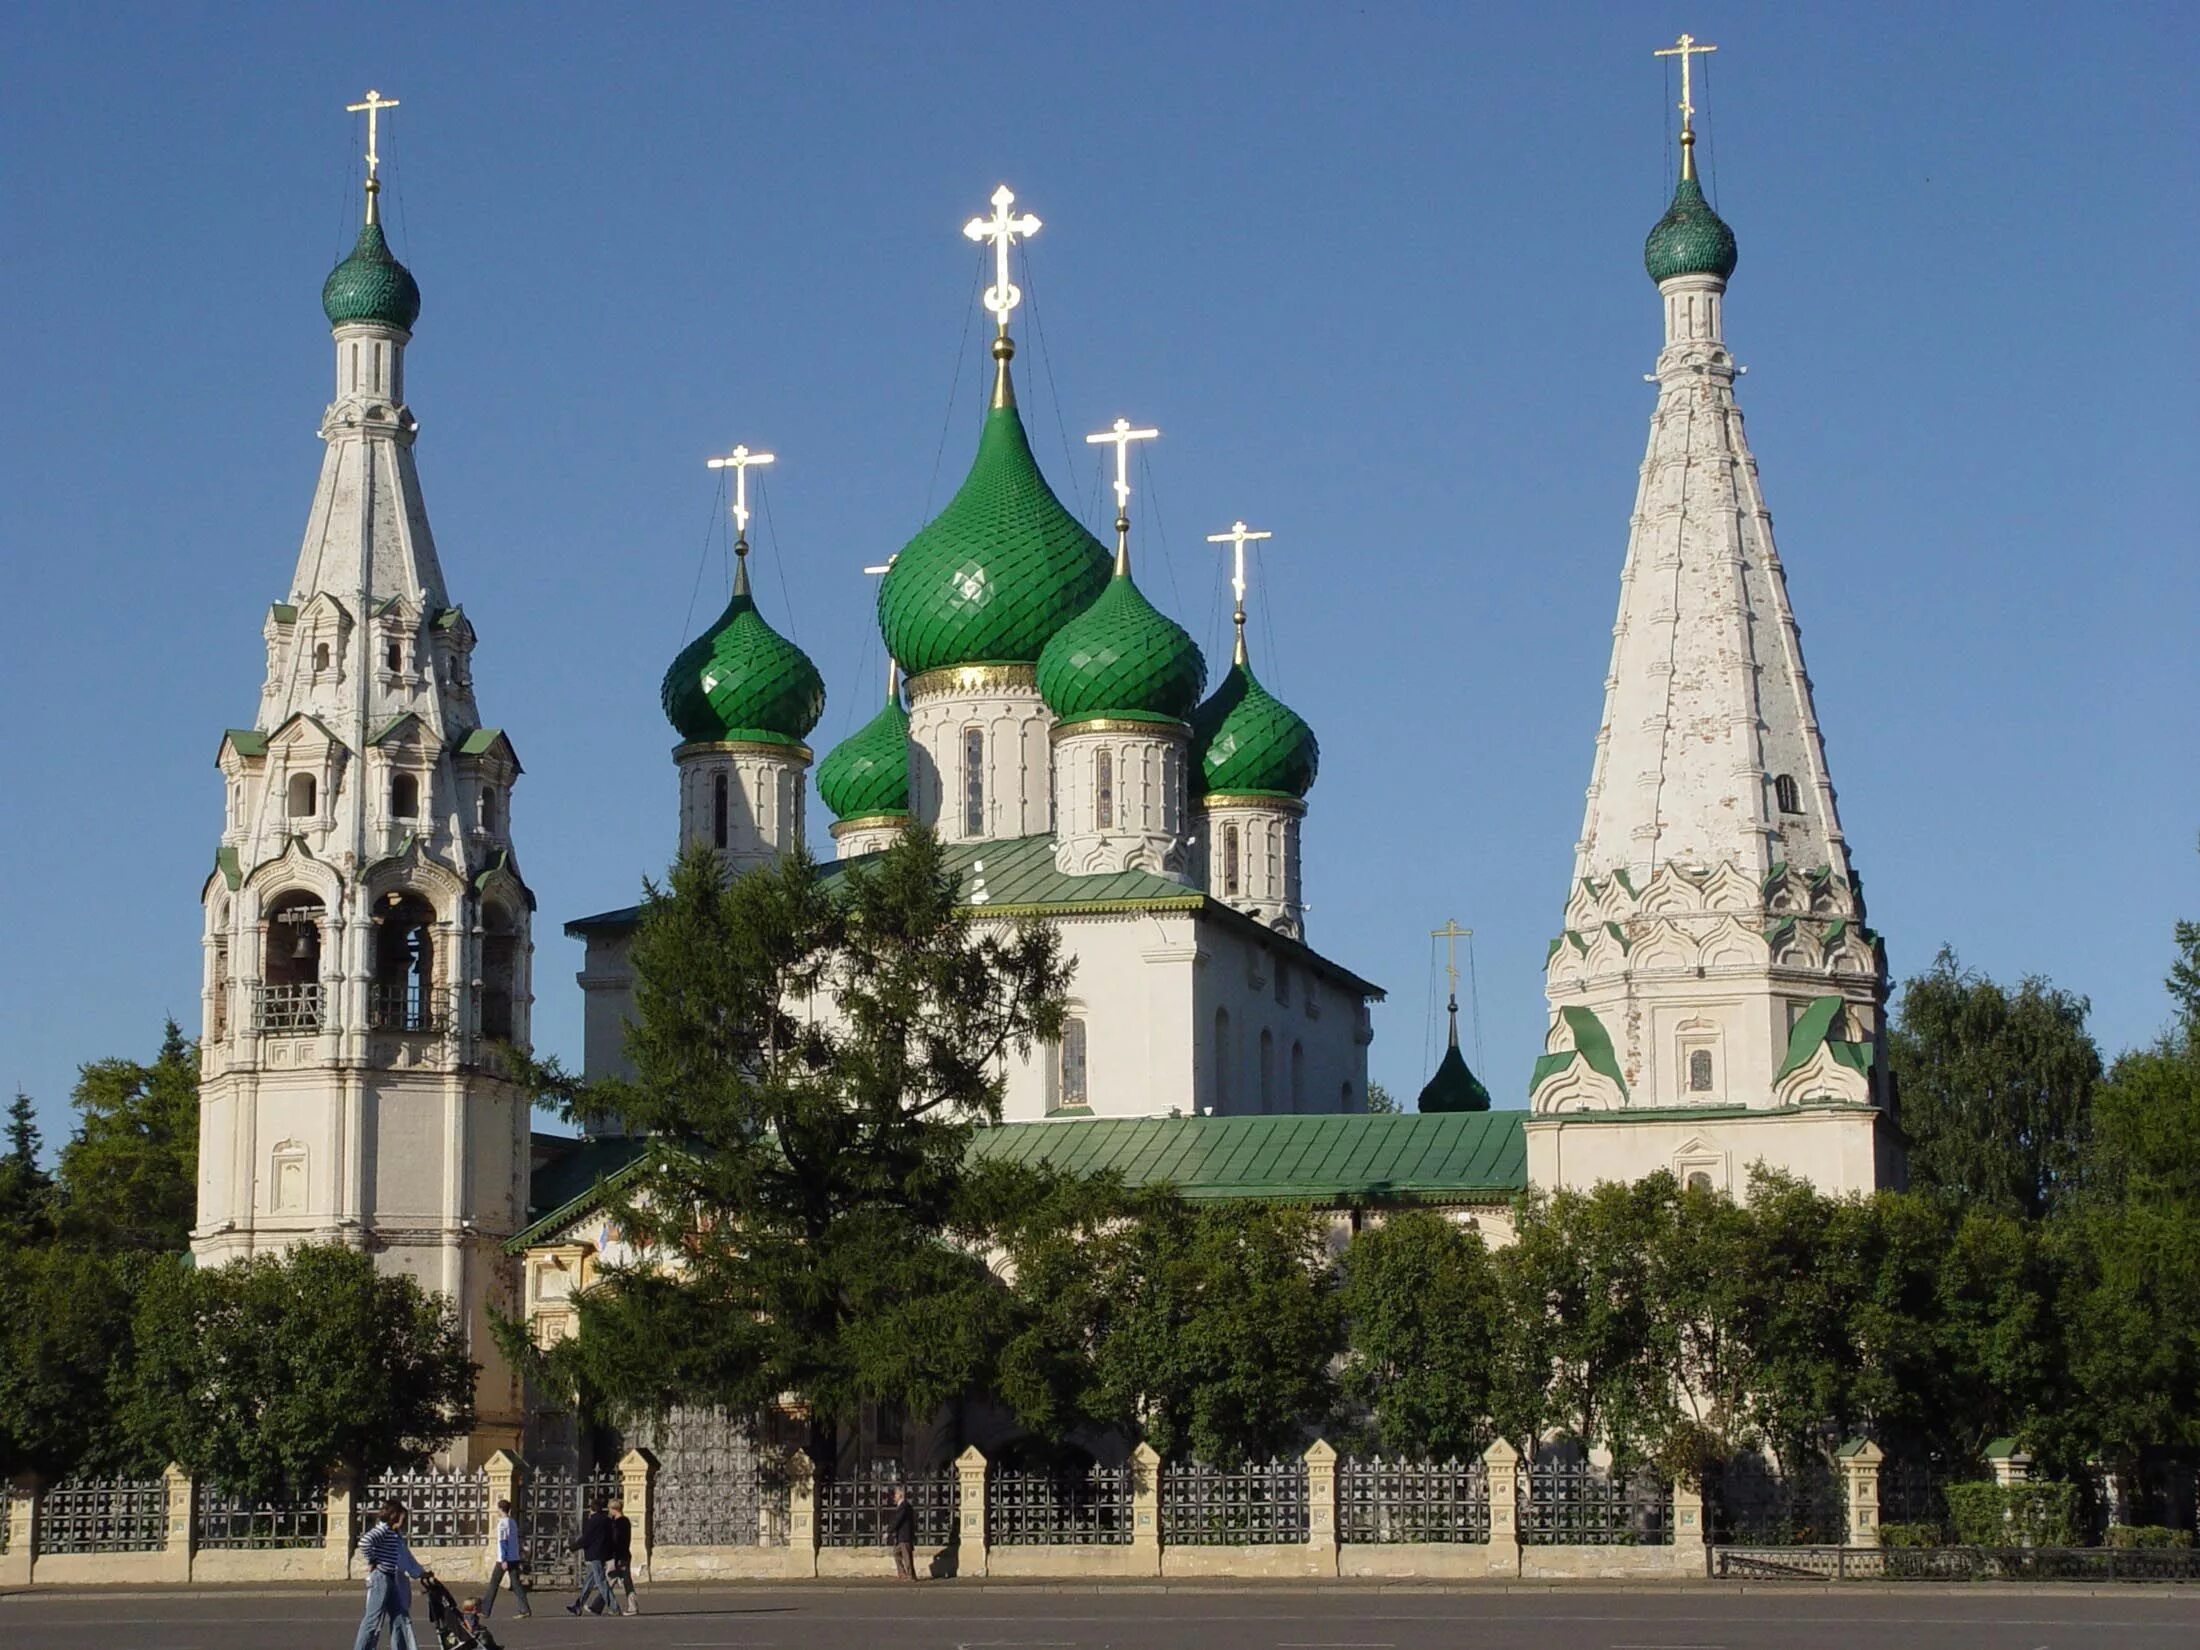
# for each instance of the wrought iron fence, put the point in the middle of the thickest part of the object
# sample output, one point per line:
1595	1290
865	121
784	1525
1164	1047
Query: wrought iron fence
1569	1504
1384	1500
1754	1504
1262	1503
442	1509
1957	1564
228	1520
1909	1493
104	1515
550	1506
855	1509
410	1007
286	1010
1059	1509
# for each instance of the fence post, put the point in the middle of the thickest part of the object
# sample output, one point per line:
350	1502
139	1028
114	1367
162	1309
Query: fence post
501	1474
343	1494
802	1515
1146	1509
1321	1505
637	1488
1691	1525
1860	1460
2011	1464
182	1523
1501	1478
25	1494
970	1468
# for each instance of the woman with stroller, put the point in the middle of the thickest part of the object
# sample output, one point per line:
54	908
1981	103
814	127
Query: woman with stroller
390	1564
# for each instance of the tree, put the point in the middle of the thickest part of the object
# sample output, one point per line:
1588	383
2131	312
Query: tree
1994	1089
269	1372
1380	1101
25	1187
129	1178
1426	1315
64	1332
816	1053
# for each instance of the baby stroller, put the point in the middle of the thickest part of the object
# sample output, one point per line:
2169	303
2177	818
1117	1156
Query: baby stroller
449	1621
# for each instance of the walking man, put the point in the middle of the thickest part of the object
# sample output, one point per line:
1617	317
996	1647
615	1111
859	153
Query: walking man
508	1565
901	1530
622	1555
390	1564
594	1546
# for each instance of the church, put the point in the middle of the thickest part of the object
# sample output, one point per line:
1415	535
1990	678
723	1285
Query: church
1716	998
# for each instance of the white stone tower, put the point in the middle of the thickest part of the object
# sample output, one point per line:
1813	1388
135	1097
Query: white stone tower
1714	980
366	926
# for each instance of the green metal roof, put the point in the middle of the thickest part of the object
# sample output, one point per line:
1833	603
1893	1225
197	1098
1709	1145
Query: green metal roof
1464	1156
249	741
564	1189
1122	657
1690	239
1454	1087
867	773
371	285
742	680
1020	879
1247	742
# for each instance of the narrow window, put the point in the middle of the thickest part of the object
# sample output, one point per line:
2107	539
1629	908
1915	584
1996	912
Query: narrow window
1172	782
1072	1076
1103	791
499	974
973	782
1344	1097
320	656
1785	793
718	809
402	994
219	1025
1229	861
1267	1071
1222	1060
304	794
288	1177
394	655
486	808
1699	1071
1273	881
1298	1077
404	796
1283	982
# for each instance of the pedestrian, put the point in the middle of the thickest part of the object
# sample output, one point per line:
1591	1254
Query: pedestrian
594	1546
622	1555
901	1532
507	1563
390	1564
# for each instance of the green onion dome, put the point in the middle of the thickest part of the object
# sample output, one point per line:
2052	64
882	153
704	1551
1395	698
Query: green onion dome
1248	742
996	573
1690	239
1122	657
867	773
1454	1087
742	680
371	285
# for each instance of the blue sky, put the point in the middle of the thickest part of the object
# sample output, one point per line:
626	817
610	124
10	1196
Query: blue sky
1375	273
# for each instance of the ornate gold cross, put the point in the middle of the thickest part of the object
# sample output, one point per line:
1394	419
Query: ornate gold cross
1120	435
1003	229
371	108
1684	49
1238	537
1451	934
738	461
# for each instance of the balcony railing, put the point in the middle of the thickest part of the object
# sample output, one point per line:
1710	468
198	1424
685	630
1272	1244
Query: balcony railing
287	1010
407	1007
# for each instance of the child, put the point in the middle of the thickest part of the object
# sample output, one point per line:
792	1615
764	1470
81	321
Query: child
470	1617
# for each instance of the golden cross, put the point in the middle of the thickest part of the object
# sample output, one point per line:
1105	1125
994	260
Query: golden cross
1120	435
1684	49
1238	537
738	461
1003	230
371	108
1451	934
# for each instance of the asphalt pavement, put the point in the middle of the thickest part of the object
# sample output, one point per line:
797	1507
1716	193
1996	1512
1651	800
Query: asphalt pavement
1336	1616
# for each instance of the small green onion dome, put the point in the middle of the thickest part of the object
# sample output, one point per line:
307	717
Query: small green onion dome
1246	741
371	285
742	680
996	573
1454	1087
867	773
1122	657
1690	239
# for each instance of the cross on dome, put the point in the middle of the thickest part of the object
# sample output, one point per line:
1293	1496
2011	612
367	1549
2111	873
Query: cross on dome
738	461
1451	934
372	106
1003	229
1120	435
1237	538
1685	48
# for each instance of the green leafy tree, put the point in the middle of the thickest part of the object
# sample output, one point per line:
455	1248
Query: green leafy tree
25	1187
816	1054
1426	1315
270	1372
64	1333
1380	1101
129	1177
1994	1088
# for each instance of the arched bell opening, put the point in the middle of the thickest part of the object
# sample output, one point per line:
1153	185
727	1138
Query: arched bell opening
499	974
402	995
288	1000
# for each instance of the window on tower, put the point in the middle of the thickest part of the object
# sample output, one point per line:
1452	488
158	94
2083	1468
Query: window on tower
1222	1061
1267	1071
1103	791
1699	1071
1229	861
499	973
320	656
394	657
973	782
720	808
1784	793
485	809
1070	1075
402	996
304	796
404	796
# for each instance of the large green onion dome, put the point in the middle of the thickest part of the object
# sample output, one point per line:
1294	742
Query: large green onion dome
371	285
996	573
1247	742
1122	657
1690	239
866	775
742	680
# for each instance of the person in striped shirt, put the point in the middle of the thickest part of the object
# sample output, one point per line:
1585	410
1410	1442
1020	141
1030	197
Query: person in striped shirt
390	1565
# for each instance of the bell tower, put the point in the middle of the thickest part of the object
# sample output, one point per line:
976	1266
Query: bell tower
367	950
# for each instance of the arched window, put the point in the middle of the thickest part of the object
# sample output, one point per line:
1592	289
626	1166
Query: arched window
1786	795
1699	1071
485	808
719	809
1103	791
1229	861
1698	1181
1267	1071
287	1179
1298	1077
1070	1078
305	795
320	656
394	657
499	973
1222	1061
287	1002
402	995
404	796
1172	791
973	777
